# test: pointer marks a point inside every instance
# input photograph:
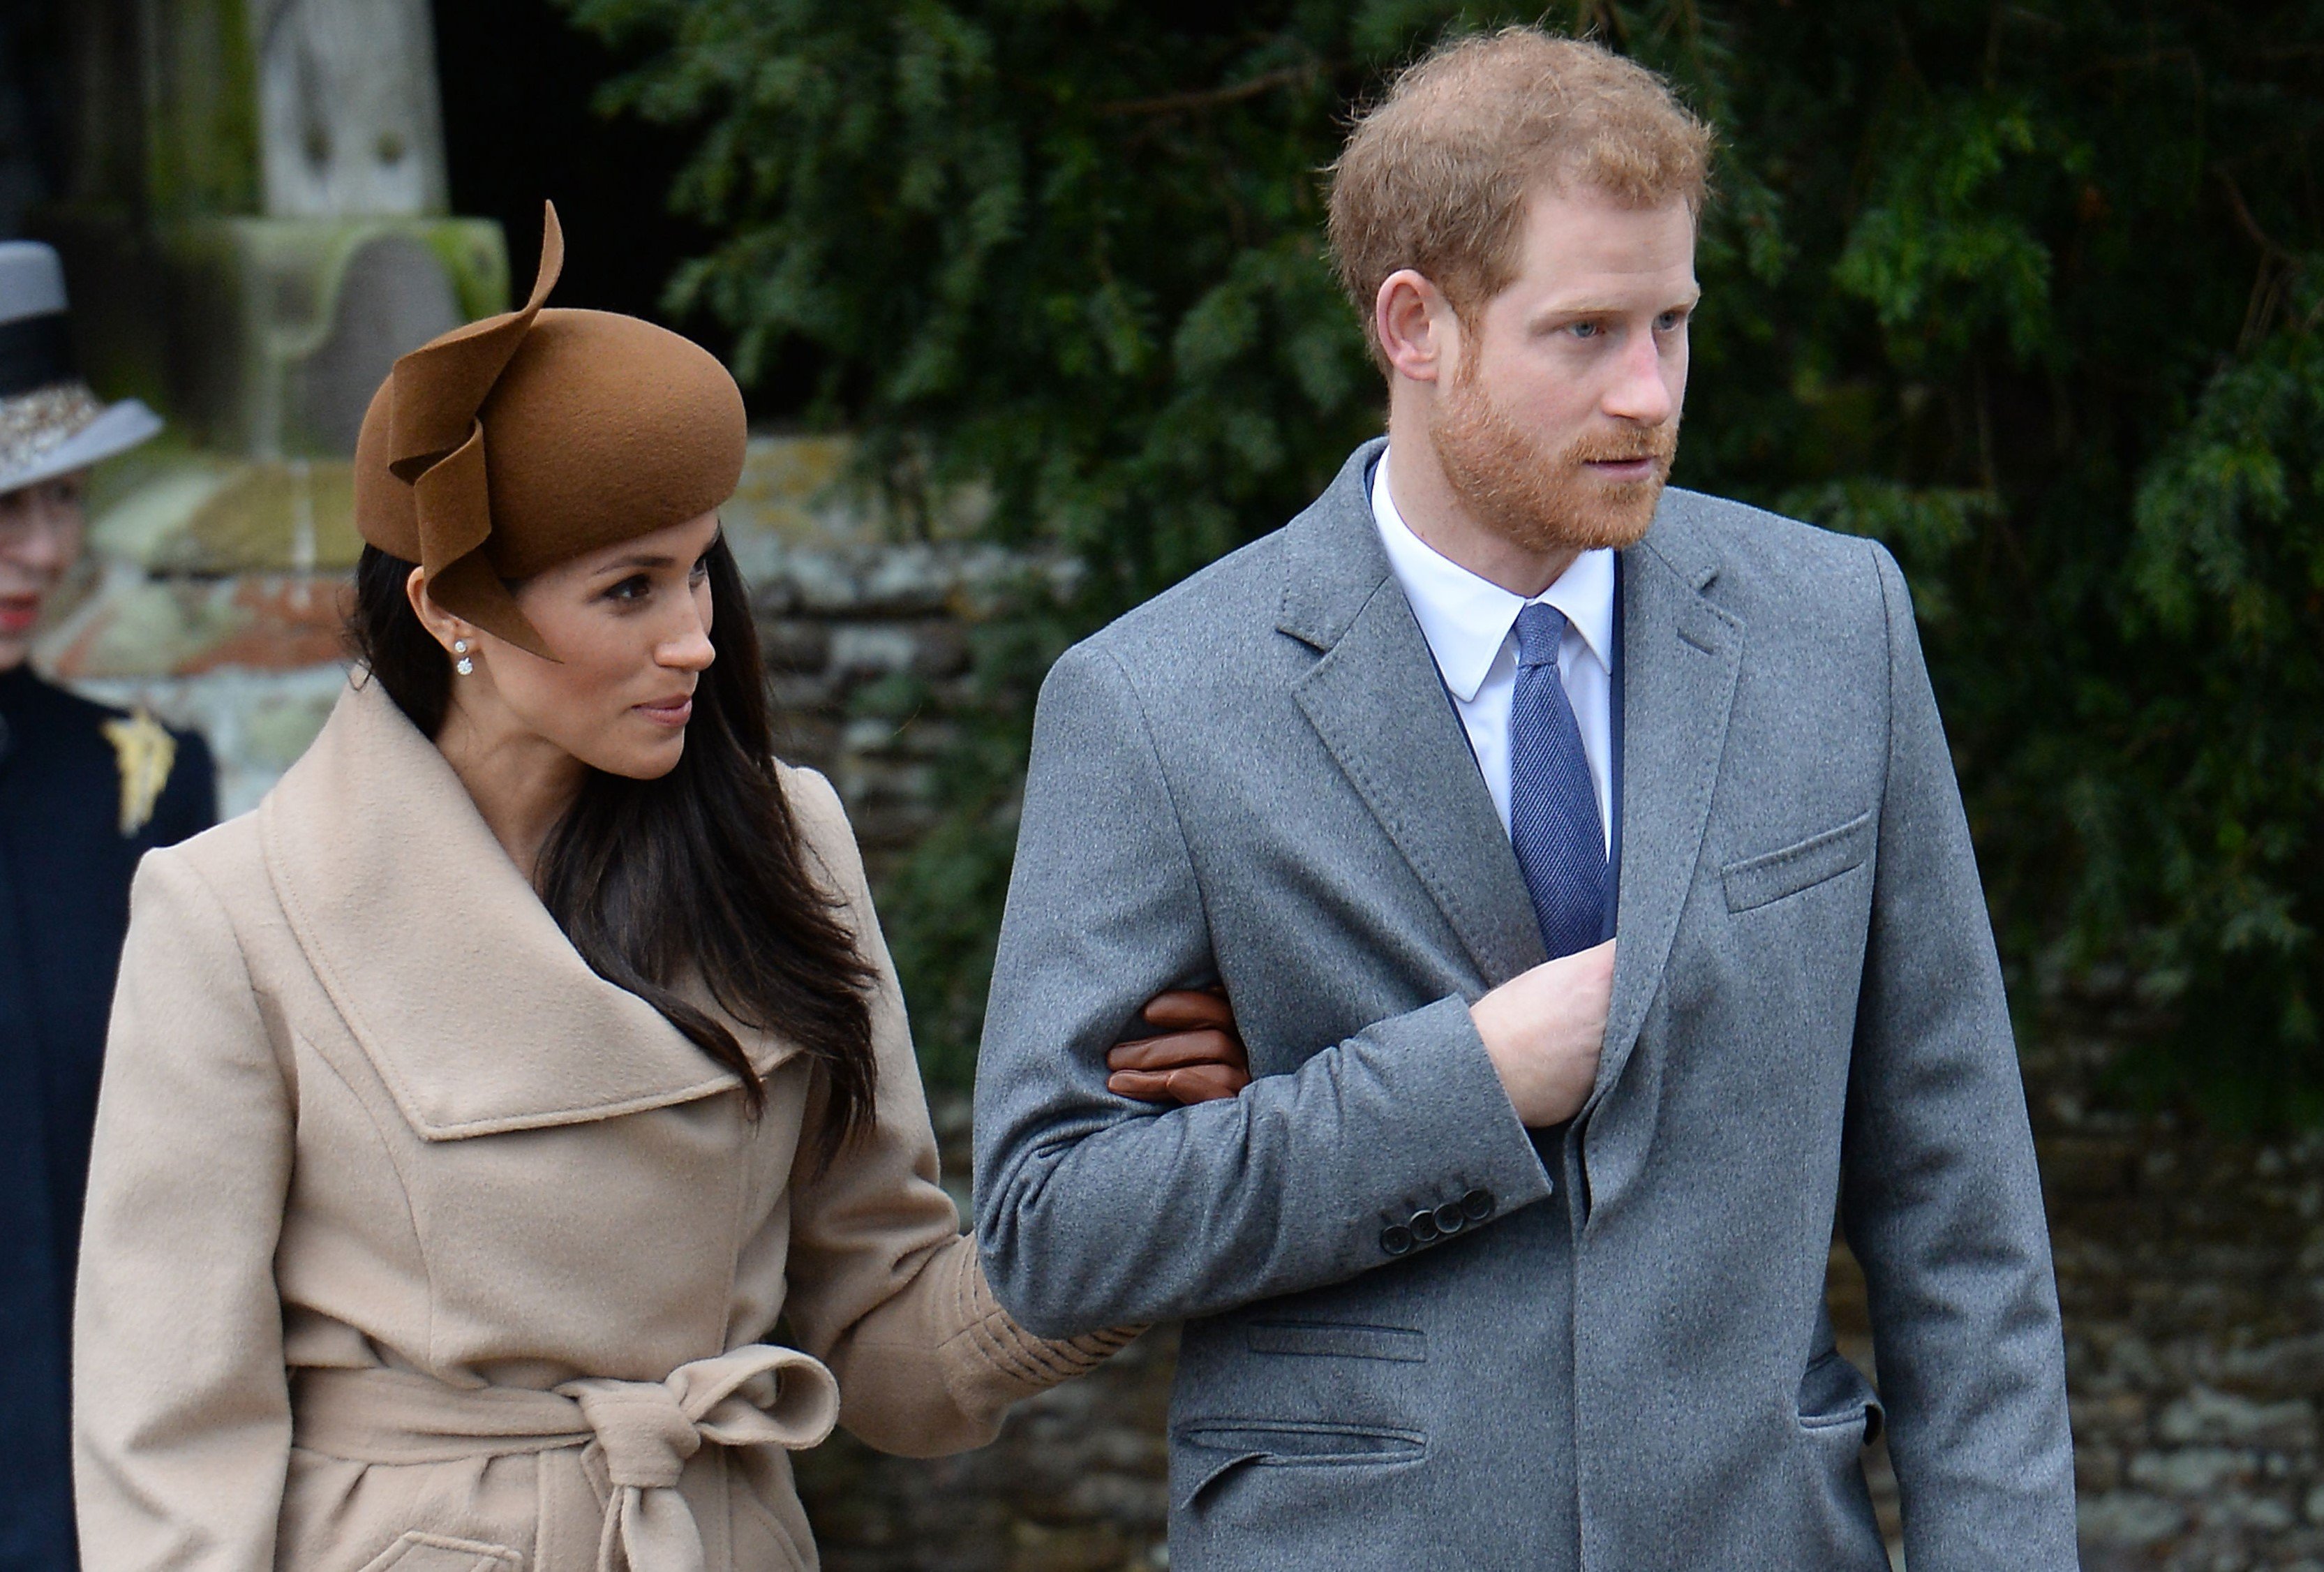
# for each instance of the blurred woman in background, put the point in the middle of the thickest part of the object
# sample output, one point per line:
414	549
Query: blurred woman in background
85	791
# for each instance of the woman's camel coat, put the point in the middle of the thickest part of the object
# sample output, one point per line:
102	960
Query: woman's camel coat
412	1244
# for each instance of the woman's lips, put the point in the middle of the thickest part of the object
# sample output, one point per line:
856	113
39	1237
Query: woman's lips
672	713
18	613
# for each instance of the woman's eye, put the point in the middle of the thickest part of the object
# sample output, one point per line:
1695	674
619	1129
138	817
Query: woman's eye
701	571
635	587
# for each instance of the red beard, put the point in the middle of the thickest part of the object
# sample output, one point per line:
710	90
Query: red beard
1543	501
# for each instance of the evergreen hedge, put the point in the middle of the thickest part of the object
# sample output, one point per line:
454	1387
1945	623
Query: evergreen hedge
2027	291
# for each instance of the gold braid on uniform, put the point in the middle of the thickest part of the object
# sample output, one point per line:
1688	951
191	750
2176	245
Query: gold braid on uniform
146	753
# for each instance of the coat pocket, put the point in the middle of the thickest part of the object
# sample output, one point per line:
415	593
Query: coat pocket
1757	881
1204	1451
1835	1398
418	1552
1338	1340
1839	1415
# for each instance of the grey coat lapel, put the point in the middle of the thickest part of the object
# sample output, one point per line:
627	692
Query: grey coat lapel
1680	657
1375	700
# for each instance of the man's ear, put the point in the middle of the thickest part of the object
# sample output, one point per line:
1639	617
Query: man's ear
1418	331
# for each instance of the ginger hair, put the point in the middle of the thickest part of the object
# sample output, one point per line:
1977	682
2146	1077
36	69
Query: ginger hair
1436	175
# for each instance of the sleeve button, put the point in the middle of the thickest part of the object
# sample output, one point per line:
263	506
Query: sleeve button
1396	1239
1423	1227
1476	1205
1450	1218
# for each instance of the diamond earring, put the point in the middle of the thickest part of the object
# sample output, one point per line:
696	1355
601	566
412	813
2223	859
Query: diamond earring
463	666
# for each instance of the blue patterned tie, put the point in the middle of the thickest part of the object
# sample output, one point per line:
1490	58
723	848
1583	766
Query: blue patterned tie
1553	806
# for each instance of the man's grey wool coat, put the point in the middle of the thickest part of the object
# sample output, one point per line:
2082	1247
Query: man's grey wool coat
1417	1337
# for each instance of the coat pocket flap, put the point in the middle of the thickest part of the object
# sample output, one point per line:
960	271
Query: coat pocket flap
1337	1340
1757	881
1196	1466
418	1552
1202	1451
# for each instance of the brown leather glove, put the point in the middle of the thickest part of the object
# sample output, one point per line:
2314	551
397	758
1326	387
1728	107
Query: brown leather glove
1197	1056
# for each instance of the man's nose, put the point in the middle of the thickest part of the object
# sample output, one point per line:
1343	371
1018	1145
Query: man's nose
1640	392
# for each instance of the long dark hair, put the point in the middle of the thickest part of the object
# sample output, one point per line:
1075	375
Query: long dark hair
702	873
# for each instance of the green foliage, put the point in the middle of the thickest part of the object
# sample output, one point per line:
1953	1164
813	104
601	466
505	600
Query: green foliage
2026	291
1069	249
2046	325
2227	565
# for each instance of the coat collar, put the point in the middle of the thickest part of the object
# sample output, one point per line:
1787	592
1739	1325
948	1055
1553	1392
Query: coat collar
1681	656
1381	708
1333	561
467	998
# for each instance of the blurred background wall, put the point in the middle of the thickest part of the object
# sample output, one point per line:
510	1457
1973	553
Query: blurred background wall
1029	300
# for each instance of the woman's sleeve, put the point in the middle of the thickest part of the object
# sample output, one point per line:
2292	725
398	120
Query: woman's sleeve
883	1287
181	1412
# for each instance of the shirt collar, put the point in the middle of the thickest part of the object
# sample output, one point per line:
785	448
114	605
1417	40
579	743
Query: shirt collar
1467	619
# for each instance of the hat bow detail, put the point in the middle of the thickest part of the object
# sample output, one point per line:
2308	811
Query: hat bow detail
438	449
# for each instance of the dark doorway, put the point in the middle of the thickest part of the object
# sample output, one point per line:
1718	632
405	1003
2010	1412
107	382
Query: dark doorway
31	77
521	124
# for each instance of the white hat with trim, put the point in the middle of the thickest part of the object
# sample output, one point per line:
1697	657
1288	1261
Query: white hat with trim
51	423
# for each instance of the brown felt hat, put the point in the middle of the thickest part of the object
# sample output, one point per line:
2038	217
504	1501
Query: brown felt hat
514	444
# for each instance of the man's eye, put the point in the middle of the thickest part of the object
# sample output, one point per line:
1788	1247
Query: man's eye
1669	320
1586	329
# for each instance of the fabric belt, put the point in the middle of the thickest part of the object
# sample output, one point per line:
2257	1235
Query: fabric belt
644	1430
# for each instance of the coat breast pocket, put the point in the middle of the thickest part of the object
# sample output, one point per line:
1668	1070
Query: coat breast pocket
1760	881
1338	1340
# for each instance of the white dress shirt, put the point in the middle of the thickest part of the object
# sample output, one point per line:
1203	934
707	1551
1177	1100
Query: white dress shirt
1471	625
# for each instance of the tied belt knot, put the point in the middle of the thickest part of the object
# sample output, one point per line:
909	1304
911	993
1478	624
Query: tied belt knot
642	1431
646	1435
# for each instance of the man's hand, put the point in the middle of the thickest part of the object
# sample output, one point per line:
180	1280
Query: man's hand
1543	1030
1198	1057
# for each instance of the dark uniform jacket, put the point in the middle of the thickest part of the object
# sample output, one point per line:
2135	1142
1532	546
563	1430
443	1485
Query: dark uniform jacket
84	792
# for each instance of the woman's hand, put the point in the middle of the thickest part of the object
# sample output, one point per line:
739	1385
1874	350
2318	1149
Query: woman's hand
1197	1056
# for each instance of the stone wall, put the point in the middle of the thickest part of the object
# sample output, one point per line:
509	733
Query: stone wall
2190	1267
